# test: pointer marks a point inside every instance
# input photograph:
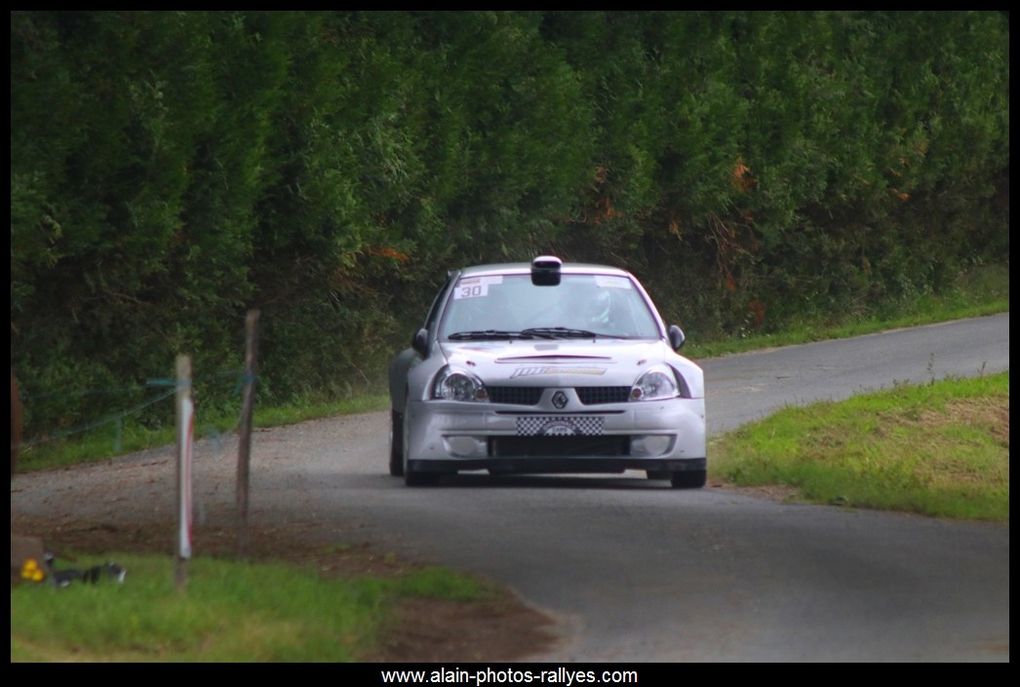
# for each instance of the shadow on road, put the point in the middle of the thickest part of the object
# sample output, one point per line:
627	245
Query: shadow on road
628	482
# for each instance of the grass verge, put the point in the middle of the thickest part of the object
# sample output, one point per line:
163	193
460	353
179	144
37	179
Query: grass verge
982	291
939	449
109	440
231	611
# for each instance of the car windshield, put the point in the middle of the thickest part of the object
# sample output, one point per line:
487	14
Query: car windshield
581	306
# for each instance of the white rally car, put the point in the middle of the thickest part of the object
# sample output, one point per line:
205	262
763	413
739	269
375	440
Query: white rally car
546	368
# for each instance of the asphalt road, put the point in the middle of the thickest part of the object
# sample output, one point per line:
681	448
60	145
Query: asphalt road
634	570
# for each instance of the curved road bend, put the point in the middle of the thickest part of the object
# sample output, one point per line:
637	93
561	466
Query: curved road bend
634	570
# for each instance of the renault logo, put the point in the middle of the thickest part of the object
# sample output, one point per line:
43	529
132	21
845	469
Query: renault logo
559	399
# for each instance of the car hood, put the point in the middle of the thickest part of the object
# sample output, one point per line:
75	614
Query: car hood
602	362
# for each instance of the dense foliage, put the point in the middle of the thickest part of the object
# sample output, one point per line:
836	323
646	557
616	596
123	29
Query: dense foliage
170	170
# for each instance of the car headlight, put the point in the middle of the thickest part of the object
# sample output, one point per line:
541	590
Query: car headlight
456	385
655	384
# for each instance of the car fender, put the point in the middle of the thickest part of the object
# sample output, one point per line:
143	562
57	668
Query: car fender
399	367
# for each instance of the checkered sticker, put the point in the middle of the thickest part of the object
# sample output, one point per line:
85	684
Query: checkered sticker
562	425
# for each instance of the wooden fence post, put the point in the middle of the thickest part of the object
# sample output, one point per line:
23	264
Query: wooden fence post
244	440
185	431
15	422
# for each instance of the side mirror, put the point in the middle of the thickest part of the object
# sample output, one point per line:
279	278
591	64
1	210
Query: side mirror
676	337
420	342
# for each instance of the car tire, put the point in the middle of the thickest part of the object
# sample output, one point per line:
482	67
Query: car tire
396	443
689	479
411	478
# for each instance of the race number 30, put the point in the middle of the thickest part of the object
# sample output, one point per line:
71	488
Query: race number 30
471	291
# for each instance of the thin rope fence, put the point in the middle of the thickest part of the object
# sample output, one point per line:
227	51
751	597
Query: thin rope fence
166	387
68	405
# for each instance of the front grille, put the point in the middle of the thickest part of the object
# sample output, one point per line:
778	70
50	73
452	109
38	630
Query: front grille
594	395
548	446
516	395
531	395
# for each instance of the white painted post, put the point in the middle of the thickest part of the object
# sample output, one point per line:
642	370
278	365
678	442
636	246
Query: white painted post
185	432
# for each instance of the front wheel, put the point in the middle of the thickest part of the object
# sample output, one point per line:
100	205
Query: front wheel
689	479
396	443
411	478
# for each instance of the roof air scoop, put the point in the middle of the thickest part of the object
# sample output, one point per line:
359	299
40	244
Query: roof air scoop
545	270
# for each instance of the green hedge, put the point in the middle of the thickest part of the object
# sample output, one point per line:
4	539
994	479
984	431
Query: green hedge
170	170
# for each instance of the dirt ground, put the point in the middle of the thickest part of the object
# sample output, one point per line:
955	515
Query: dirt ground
423	630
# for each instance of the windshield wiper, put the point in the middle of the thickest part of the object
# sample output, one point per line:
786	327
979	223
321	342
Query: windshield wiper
560	332
499	334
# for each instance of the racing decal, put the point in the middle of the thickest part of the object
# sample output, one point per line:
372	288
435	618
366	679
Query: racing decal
565	426
474	287
605	282
470	291
535	371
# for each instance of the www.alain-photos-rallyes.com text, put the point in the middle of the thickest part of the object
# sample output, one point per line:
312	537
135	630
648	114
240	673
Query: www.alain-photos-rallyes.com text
565	677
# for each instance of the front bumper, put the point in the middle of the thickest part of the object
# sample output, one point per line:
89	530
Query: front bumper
446	436
558	465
